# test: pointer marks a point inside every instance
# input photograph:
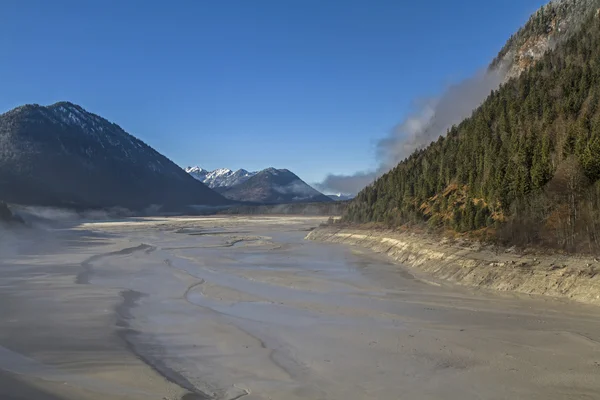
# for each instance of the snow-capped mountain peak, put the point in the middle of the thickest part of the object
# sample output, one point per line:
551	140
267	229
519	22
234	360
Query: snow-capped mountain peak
220	178
219	173
270	185
195	170
273	186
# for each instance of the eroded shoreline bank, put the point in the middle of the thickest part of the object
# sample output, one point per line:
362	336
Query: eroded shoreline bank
561	276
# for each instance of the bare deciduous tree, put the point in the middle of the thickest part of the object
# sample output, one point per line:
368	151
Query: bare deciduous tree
567	187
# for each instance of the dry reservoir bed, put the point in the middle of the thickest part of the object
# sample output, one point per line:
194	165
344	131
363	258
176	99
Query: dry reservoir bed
239	307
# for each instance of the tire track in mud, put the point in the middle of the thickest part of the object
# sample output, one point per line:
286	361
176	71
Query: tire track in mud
83	278
234	238
127	334
293	369
185	297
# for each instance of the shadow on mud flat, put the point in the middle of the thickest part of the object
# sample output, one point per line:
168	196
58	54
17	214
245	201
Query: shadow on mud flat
13	388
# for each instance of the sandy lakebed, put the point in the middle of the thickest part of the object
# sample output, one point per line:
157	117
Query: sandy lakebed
245	307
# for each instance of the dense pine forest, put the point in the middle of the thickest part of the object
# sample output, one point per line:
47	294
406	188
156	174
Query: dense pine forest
523	169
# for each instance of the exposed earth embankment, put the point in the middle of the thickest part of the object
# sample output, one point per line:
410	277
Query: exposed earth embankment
477	265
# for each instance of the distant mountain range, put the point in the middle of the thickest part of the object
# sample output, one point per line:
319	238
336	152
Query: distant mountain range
268	186
222	178
62	155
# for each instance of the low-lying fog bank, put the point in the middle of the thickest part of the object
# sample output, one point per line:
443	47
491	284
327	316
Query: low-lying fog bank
312	209
41	215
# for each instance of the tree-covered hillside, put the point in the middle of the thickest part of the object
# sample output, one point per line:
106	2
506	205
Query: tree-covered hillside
527	163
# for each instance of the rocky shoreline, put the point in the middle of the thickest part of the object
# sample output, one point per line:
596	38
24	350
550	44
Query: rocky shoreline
476	265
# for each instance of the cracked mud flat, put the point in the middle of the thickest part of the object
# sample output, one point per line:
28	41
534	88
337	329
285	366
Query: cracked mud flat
239	307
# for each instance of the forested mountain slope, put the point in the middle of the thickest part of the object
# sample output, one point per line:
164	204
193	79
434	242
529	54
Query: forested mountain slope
525	166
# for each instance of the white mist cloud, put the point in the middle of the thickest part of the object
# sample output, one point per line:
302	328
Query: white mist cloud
431	119
346	184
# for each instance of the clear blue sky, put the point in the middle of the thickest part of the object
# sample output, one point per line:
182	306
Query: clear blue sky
308	85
